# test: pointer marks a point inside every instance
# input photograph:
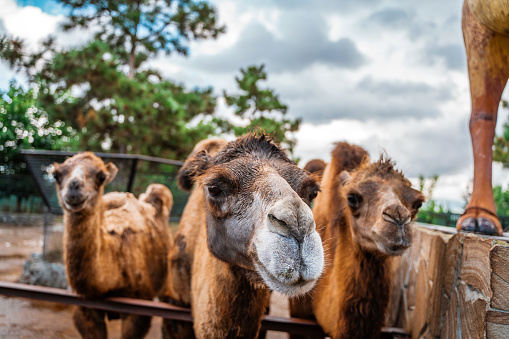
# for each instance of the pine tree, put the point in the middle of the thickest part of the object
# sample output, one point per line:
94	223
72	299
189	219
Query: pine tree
262	108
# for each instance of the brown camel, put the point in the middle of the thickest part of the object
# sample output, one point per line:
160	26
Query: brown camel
486	33
114	244
315	166
367	215
247	229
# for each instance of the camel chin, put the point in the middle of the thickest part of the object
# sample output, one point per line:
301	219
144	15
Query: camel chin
289	266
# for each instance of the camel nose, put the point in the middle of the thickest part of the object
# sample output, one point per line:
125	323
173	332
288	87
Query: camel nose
291	218
397	214
75	185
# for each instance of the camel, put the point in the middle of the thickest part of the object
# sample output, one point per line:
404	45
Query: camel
114	244
315	166
247	229
367	215
486	34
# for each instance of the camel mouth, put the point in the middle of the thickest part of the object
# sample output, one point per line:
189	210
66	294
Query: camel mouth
393	248
291	288
75	205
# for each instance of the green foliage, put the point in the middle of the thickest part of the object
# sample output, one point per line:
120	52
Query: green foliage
262	108
427	187
501	143
145	115
25	125
501	200
144	28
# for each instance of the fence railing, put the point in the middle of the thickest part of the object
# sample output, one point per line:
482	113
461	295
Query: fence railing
449	219
167	311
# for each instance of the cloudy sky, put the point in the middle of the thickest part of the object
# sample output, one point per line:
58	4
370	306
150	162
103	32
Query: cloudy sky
385	74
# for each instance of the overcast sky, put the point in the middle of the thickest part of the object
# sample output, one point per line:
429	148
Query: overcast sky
384	74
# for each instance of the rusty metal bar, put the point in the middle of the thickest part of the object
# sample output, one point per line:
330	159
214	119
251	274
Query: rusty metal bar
106	155
115	304
164	310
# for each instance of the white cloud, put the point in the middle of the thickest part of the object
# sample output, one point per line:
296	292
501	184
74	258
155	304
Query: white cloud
407	93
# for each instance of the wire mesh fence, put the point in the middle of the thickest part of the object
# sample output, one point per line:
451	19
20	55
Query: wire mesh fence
135	173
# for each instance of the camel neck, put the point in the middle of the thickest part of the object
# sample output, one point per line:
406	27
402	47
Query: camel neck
367	281
82	243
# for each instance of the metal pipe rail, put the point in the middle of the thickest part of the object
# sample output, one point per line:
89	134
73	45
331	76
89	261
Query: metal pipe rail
164	310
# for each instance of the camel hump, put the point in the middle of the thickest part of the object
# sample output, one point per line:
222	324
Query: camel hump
196	160
493	14
114	200
315	166
348	157
160	197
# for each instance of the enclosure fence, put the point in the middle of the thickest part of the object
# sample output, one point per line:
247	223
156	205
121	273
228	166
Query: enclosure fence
135	173
150	308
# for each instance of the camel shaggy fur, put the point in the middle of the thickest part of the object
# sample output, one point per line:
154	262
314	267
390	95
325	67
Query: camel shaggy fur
247	229
114	244
486	33
367	215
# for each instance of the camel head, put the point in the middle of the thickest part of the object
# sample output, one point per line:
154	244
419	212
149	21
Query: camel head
381	205
257	211
80	181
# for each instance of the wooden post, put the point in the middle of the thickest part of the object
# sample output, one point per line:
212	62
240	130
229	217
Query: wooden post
452	285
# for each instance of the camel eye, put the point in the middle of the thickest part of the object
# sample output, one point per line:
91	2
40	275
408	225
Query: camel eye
57	176
100	177
354	200
417	205
313	195
214	190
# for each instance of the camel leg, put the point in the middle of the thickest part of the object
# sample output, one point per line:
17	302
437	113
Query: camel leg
135	326
488	70
89	323
174	329
301	307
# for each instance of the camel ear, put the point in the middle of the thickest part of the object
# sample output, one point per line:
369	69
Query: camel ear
112	171
194	166
344	177
56	166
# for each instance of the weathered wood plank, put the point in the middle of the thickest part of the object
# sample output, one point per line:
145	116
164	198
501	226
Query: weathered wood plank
452	261
453	286
472	312
450	323
499	258
475	264
497	325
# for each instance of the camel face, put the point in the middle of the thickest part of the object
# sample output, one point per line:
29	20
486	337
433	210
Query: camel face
81	179
258	214
382	206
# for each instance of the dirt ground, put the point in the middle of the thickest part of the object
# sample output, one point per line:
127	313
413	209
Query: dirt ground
24	319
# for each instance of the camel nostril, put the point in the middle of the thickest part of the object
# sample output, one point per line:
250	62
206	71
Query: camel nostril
273	218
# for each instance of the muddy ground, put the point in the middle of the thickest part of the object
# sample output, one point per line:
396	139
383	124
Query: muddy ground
24	318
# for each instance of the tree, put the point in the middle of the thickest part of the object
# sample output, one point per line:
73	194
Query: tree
143	27
25	125
147	114
113	109
501	143
262	108
427	186
501	200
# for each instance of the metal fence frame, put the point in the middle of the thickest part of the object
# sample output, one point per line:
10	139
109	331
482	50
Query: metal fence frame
146	307
135	158
167	311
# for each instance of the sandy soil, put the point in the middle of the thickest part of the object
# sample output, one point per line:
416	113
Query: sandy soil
24	318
